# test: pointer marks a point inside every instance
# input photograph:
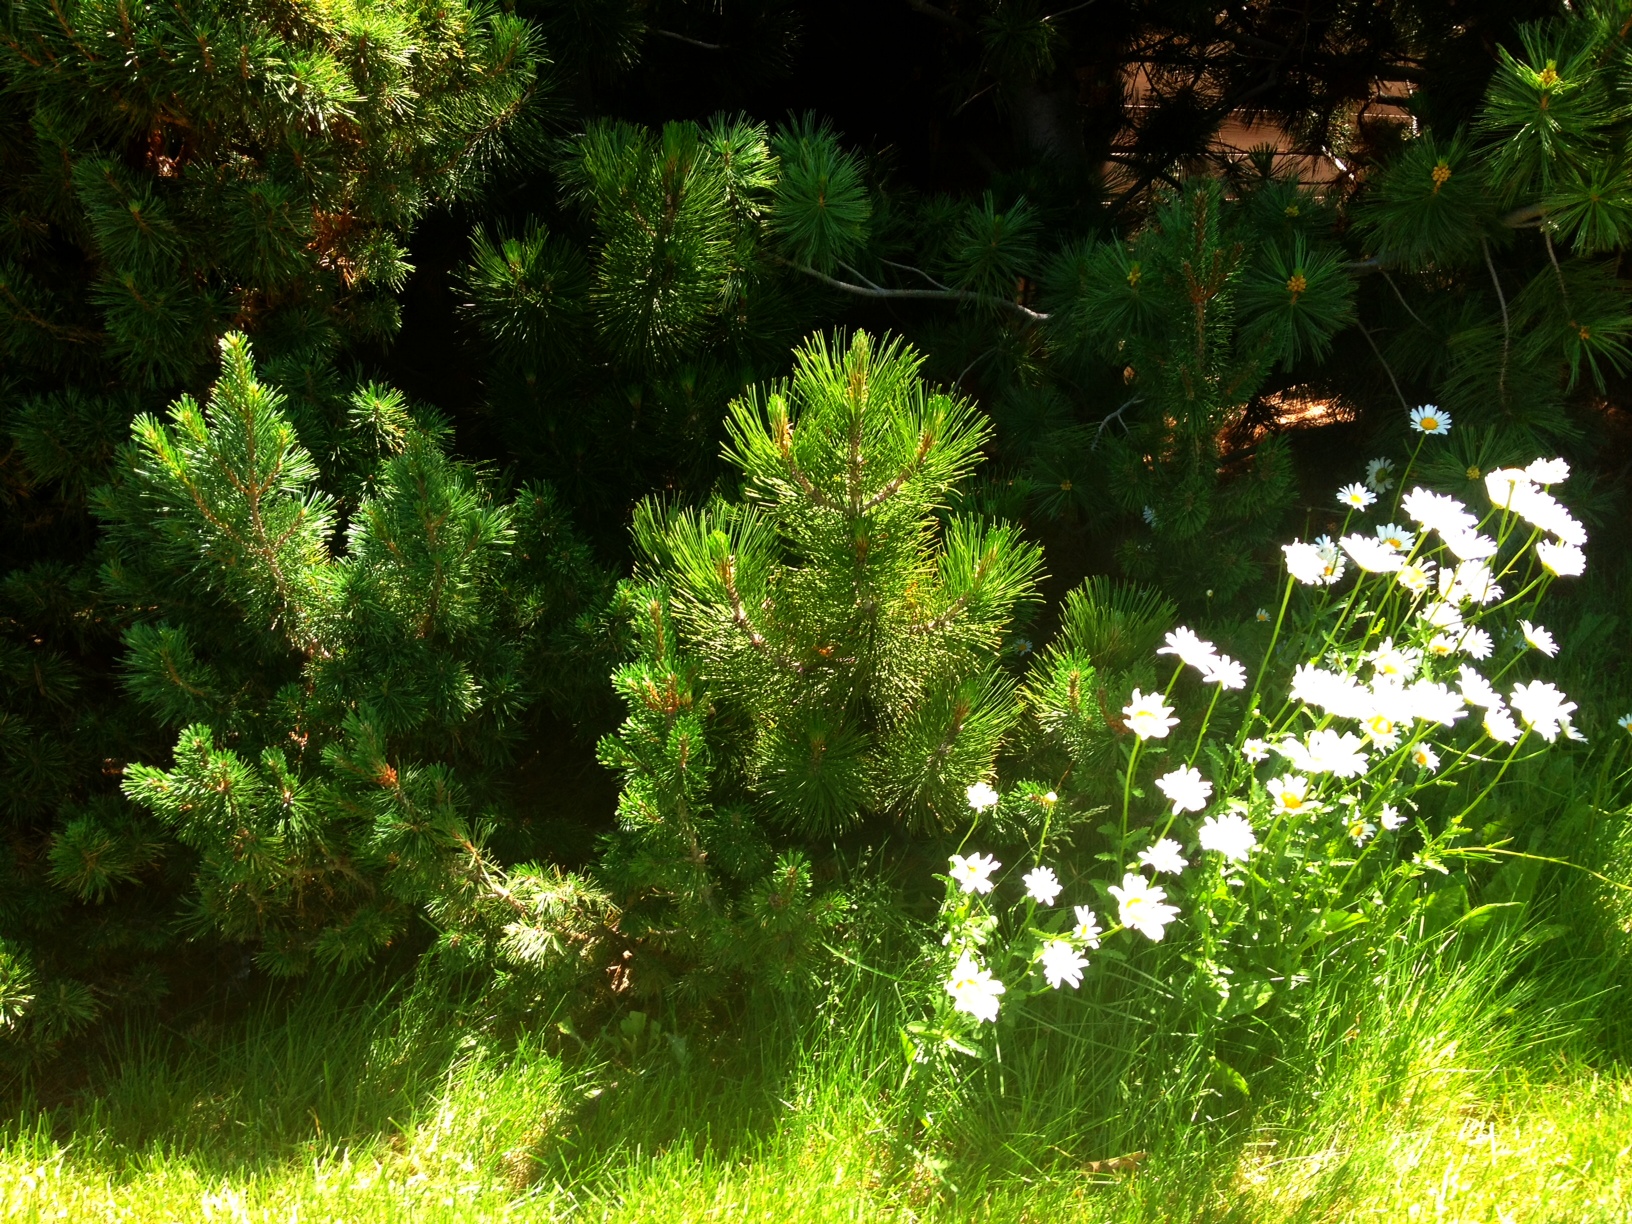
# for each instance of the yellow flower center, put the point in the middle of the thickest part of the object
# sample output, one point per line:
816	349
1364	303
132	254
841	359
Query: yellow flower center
1430	424
1291	800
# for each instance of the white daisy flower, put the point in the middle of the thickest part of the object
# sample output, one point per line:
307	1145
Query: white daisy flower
1062	963
1338	693
1332	557
1507	486
1186	788
1042	885
1469	545
1390	817
1164	857
1263	616
1086	931
1476	690
1543	707
1361	830
1624	722
1475	643
1442	615
1399	662
1290	793
1382	731
1396	537
1472	580
974	874
1380	475
1372	555
981	796
973	989
1304	562
1539	638
1140	906
1148	716
1541	509
1548	471
1225	672
1189	648
1342	755
1437	511
1499	725
1430	420
1423	756
1355	496
1561	560
1256	750
1441	645
1391	697
1229	834
1435	703
1415	578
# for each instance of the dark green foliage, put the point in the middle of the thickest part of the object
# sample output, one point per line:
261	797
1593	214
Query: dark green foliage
1197	309
1430	206
216	163
1548	153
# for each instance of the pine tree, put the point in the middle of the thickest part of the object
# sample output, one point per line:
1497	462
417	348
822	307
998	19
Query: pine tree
171	169
1197	308
658	292
817	658
342	712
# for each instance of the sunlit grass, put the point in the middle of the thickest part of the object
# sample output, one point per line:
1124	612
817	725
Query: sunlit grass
1448	1092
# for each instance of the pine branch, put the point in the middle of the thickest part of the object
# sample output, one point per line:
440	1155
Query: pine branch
1382	362
931	295
941	15
1507	333
784	443
1401	296
690	42
739	617
925	441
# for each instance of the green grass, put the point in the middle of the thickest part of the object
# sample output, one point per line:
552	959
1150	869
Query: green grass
1440	1084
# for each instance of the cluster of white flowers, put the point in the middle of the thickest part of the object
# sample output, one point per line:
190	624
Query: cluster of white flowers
1400	705
974	989
1360	716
